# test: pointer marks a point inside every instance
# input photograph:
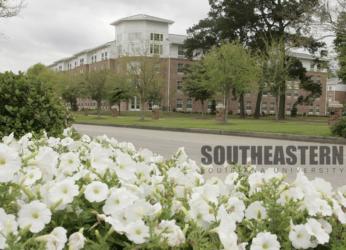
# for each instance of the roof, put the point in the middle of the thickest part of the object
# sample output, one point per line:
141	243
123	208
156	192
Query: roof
105	45
142	17
176	39
303	54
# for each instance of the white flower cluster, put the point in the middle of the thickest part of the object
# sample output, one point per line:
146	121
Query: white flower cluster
63	193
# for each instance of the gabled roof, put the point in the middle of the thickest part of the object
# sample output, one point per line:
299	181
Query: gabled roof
142	17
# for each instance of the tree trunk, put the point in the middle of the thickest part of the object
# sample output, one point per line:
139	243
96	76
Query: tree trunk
119	106
142	109
277	107
242	105
226	106
99	103
257	114
282	106
202	103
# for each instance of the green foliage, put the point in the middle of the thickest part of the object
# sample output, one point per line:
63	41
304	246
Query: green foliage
340	45
197	84
122	90
28	105
232	68
339	128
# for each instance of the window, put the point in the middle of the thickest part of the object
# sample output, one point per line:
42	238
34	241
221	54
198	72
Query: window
81	61
156	37
75	64
106	55
179	85
179	103
189	104
156	49
102	56
312	66
181	51
180	68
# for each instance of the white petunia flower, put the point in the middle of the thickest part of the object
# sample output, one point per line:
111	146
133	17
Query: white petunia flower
55	240
293	193
300	237
119	199
96	191
265	241
31	176
9	163
315	229
34	216
76	241
137	232
256	211
235	207
226	230
63	192
8	225
170	232
69	163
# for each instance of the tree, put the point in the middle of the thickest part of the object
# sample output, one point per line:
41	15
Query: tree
97	85
122	90
10	10
145	74
231	68
197	84
30	105
255	22
340	44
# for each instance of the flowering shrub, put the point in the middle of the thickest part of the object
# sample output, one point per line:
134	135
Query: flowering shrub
64	193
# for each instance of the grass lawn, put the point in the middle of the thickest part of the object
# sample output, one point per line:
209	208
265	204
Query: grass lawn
313	126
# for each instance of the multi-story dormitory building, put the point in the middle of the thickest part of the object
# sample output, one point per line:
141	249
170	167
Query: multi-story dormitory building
144	35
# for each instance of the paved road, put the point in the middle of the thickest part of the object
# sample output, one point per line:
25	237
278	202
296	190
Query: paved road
166	143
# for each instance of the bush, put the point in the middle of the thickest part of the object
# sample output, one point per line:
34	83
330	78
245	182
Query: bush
339	128
101	194
29	105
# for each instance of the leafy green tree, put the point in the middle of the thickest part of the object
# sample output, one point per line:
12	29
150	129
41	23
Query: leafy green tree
28	105
197	84
145	73
122	90
232	69
340	44
255	23
96	86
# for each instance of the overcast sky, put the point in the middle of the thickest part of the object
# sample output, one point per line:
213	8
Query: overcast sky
48	30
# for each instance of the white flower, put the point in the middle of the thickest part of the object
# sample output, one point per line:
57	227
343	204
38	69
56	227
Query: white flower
55	240
96	191
323	187
200	211
256	211
170	232
293	193
63	192
317	206
34	215
60	234
9	163
76	241
31	176
137	232
235	207
339	212
8	225
119	199
300	237
69	163
265	241
226	230
315	229
46	160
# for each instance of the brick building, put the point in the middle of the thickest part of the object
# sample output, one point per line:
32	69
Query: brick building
144	34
